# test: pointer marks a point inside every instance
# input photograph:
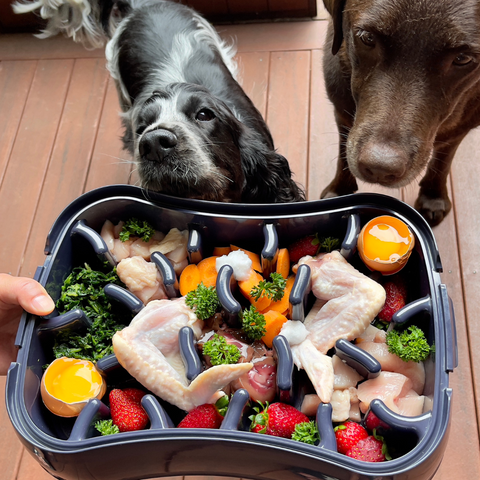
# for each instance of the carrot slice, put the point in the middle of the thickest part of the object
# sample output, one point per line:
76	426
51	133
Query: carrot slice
208	271
282	305
255	258
220	251
273	324
283	262
189	279
246	287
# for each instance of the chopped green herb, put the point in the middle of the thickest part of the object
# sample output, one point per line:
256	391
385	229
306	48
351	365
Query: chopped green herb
221	352
83	289
273	289
204	301
138	228
253	323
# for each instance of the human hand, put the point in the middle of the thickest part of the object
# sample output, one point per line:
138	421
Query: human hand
17	293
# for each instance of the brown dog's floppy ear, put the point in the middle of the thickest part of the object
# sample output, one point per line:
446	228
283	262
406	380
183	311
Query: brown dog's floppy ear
335	9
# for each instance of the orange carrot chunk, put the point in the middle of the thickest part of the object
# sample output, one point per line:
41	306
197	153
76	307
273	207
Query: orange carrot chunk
273	324
282	305
220	251
189	279
246	287
256	263
208	271
283	263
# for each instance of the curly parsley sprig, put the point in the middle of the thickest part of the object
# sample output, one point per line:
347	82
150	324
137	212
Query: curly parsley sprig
409	345
253	323
203	301
273	289
221	352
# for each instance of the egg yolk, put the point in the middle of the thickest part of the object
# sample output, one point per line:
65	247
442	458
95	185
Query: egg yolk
383	242
74	382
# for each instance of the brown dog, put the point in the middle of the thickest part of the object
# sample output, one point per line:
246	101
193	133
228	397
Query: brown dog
404	78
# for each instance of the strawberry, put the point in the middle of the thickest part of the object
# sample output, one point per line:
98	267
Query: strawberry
127	413
278	419
370	449
308	245
203	416
348	434
372	422
396	295
134	393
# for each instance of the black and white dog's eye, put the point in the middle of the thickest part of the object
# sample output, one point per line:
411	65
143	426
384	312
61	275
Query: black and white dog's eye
462	59
367	38
205	115
140	129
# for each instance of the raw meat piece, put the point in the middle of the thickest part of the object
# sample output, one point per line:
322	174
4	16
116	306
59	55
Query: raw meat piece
340	405
318	366
134	246
345	376
260	381
174	243
411	405
391	363
372	334
142	278
388	386
352	300
148	349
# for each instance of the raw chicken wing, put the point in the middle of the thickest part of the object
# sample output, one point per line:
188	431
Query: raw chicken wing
148	349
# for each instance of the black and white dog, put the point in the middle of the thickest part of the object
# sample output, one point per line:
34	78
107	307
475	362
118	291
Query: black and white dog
188	124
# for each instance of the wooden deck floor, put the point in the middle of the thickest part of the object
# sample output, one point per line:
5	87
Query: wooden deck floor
59	137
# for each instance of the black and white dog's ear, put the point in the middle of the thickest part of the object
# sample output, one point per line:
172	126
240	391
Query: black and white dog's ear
267	173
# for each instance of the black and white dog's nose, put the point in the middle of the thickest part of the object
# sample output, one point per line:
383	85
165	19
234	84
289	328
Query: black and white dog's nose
157	144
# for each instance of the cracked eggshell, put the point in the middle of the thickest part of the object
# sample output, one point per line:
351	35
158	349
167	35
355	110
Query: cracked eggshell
68	384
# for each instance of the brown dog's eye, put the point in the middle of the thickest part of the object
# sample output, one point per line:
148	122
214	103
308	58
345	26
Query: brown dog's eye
367	38
205	115
462	59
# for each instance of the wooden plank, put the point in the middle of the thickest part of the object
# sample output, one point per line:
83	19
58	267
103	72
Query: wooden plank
253	76
463	444
110	163
281	36
288	108
208	7
248	6
30	469
465	175
323	139
24	46
10	451
31	152
275	37
15	81
71	155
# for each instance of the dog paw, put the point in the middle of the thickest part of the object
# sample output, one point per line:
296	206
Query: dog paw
434	210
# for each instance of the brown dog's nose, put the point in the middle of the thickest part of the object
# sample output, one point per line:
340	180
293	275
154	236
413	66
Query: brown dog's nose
156	145
382	163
